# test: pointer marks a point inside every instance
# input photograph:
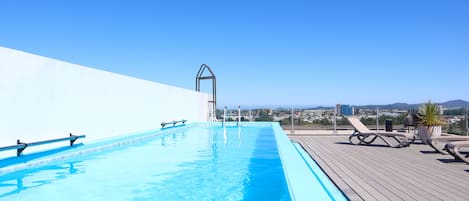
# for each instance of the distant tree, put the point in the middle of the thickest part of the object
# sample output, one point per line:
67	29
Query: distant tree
462	126
368	121
325	122
454	112
300	121
458	127
400	119
264	116
286	121
395	120
219	113
342	121
450	128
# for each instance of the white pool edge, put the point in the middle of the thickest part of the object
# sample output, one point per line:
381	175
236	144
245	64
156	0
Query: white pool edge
302	183
96	146
333	190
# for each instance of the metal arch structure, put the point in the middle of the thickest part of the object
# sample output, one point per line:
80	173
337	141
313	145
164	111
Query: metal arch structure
200	76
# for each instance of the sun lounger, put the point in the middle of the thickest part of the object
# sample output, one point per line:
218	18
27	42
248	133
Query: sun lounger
439	142
454	148
363	135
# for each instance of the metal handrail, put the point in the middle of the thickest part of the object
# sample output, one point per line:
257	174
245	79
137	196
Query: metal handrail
239	116
163	124
224	117
21	146
200	76
6	148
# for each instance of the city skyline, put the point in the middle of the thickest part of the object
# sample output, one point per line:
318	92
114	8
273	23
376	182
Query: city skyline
458	103
262	52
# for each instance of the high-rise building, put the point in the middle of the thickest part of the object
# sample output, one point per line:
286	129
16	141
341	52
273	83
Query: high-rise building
346	110
338	110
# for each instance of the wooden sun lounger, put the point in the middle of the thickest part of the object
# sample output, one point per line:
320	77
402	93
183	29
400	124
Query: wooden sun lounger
363	135
454	148
439	142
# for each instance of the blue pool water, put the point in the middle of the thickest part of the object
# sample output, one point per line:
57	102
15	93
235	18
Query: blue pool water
194	163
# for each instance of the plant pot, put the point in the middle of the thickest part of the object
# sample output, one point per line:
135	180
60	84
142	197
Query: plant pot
426	132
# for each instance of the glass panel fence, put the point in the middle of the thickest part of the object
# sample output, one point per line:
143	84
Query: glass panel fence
330	120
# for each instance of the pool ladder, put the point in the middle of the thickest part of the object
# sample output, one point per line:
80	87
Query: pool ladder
238	122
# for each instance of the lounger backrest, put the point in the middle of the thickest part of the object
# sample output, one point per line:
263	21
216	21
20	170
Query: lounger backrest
358	125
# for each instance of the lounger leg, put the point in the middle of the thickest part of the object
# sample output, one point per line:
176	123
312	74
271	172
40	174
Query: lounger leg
435	145
449	149
413	139
360	138
363	139
460	155
354	135
406	141
400	142
452	151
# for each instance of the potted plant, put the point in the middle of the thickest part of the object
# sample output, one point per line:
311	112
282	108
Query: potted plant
429	121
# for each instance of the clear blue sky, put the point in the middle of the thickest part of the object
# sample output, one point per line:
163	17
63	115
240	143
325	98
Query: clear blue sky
263	52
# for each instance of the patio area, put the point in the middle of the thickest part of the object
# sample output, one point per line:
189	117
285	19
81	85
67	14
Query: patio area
378	172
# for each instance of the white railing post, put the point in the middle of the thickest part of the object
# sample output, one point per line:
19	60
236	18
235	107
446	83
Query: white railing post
224	116
465	117
377	119
292	117
239	115
334	119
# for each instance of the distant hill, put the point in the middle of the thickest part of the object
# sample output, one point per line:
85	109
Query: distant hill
319	108
455	103
399	106
406	106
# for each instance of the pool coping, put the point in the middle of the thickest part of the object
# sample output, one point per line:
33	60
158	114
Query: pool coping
92	147
326	181
303	176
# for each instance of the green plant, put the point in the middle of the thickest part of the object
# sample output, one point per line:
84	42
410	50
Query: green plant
430	115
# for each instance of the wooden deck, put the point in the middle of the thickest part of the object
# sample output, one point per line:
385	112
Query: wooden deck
384	173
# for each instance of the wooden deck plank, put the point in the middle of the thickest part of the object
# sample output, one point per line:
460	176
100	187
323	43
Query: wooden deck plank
371	178
441	192
360	186
383	173
341	179
391	180
367	176
413	179
390	186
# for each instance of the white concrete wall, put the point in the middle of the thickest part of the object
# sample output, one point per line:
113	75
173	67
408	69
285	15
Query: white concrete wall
43	98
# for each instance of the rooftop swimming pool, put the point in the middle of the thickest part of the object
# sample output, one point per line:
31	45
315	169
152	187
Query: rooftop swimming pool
201	161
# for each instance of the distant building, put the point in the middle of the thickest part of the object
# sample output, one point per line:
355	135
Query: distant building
298	113
338	109
346	110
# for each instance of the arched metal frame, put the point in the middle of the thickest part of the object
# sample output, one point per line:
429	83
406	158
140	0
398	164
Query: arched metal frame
200	76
